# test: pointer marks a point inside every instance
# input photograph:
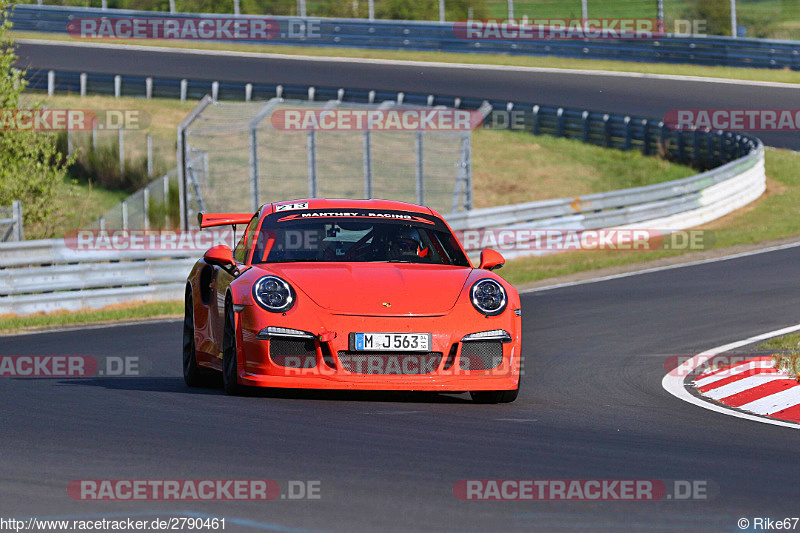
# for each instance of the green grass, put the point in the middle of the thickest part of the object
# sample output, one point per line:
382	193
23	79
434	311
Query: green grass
76	205
785	342
141	311
513	167
775	215
784	75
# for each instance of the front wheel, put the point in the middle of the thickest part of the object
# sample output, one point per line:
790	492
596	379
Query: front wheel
230	366
496	396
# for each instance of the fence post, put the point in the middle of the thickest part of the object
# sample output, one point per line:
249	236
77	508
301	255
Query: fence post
253	169
536	125
148	87
184	89
149	156
418	152
312	164
301	8
51	82
83	83
166	201
146	199
311	93
236	7
16	208
214	91
121	154
645	137
367	164
104	5
172	6
117	86
606	131
124	214
441	10
248	92
560	117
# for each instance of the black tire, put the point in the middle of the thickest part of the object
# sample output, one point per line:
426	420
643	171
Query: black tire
230	369
496	396
193	374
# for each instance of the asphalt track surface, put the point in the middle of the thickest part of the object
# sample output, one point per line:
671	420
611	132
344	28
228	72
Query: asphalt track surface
591	407
645	97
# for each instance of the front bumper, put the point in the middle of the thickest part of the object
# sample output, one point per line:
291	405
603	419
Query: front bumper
328	362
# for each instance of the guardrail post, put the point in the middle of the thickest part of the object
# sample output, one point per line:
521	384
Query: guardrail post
16	208
311	93
279	91
560	118
367	165
121	153
102	223
585	119
149	156
172	6
214	91
418	152
83	83
340	95
146	201
117	86
236	7
148	87
371	97
104	5
430	100
400	98
681	147
371	9
606	131
627	122
253	169
457	103
645	137
312	164
51	82
696	147
662	137
248	92
184	89
124	214
535	118
712	156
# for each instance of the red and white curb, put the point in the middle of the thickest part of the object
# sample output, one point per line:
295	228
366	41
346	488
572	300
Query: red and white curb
751	389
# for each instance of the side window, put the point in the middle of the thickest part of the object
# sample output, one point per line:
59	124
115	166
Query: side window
246	243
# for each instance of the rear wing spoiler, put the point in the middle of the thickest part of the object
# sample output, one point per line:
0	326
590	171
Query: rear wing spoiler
207	220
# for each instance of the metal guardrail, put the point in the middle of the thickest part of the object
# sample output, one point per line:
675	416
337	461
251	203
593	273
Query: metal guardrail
49	275
438	36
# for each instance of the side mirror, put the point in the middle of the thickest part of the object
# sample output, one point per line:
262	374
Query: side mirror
219	255
491	260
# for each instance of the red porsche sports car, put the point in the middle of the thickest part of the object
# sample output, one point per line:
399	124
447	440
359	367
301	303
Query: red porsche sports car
350	294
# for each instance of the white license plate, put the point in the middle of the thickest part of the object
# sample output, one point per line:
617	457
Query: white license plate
392	342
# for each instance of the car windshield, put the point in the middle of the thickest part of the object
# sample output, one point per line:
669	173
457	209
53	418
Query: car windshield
357	236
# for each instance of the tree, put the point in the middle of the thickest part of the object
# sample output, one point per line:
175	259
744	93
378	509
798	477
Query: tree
30	164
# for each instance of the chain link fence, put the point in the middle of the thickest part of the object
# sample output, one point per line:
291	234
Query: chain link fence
235	159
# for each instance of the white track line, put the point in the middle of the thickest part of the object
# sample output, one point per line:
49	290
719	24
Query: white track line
401	62
667	267
675	385
741	385
774	402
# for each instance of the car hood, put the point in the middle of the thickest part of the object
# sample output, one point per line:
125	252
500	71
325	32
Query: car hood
367	288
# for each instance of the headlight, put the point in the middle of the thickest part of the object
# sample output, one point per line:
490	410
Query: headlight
273	294
488	297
